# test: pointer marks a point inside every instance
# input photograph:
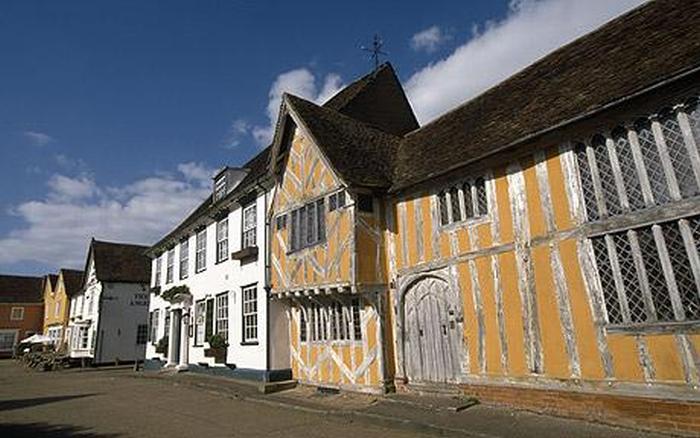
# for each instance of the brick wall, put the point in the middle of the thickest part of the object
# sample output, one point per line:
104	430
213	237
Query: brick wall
674	416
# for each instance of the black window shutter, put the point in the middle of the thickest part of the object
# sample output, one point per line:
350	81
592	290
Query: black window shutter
209	323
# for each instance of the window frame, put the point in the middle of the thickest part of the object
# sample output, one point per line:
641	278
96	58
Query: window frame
13	316
200	317
200	263
335	320
222	234
15	337
249	229
304	219
221	315
184	258
644	267
469	203
170	266
142	334
159	270
250	315
220	186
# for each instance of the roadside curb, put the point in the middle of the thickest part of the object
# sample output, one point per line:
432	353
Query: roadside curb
348	415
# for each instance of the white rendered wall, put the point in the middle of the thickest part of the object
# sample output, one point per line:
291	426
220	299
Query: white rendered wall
228	276
124	306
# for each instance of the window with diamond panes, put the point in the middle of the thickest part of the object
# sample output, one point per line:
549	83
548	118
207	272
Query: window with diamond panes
679	155
628	169
642	272
463	201
330	320
611	177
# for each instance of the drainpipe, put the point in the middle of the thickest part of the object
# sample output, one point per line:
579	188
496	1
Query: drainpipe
266	285
98	333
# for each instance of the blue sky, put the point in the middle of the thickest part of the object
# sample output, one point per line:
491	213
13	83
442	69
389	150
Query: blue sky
114	114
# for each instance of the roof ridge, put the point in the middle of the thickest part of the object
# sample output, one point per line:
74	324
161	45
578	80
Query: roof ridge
345	116
531	65
353	89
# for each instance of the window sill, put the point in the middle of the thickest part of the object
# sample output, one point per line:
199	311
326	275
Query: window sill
246	254
249	343
200	271
307	247
218	262
477	220
655	327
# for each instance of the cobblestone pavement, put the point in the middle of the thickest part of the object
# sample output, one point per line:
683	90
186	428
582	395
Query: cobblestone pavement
122	403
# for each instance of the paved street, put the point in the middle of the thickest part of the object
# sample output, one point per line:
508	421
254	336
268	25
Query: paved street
121	403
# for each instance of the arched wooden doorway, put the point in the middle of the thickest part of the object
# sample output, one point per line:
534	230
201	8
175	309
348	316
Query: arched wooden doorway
432	332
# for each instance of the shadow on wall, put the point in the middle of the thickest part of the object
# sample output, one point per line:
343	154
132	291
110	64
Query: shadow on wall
31	430
9	405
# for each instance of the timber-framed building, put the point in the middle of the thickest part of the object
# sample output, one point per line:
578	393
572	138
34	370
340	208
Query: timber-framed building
538	245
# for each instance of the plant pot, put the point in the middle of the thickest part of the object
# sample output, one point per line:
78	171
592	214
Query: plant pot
219	354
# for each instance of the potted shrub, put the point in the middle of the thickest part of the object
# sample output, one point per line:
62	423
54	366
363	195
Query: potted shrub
162	346
217	348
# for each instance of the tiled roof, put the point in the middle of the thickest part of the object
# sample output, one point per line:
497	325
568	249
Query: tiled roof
21	289
360	153
257	170
121	262
72	280
654	42
52	279
377	99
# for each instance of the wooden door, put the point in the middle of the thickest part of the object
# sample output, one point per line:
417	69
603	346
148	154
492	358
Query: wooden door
431	333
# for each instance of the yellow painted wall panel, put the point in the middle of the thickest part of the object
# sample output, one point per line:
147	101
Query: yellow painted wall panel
374	373
492	340
484	235
556	361
557	188
400	232
304	353
411	233
471	328
445	248
584	326
513	314
335	371
625	358
534	202
347	361
505	217
359	357
463	243
427	228
665	357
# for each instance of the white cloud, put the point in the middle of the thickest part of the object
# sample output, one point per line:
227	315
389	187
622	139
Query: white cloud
239	129
531	29
37	138
66	188
428	40
300	82
56	229
197	173
71	165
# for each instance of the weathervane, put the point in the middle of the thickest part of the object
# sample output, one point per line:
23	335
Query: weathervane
375	50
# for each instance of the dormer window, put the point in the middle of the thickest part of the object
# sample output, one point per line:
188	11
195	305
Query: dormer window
220	187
